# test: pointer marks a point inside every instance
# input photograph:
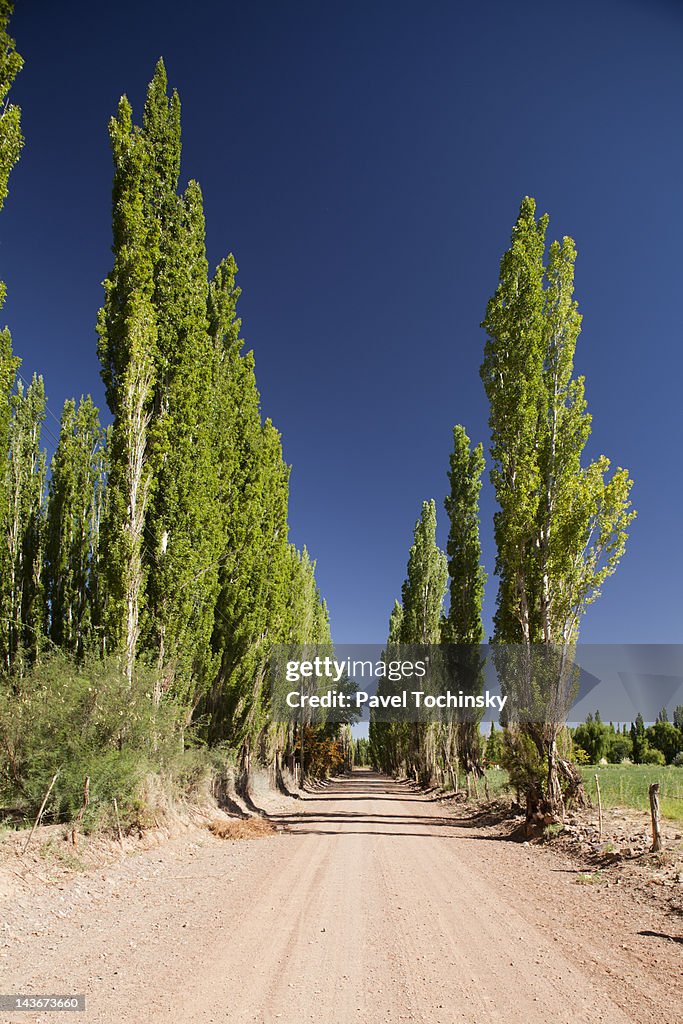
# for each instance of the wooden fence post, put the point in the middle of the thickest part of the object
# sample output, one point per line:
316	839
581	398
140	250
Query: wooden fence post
597	786
657	841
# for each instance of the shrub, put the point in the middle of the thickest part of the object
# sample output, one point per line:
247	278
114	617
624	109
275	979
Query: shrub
593	737
323	753
678	760
665	737
653	756
84	721
620	749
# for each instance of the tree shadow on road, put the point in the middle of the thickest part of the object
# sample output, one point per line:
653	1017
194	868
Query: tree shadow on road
662	935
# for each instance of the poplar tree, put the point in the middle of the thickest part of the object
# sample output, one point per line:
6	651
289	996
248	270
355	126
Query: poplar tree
410	746
387	738
463	626
396	623
22	594
425	584
127	328
561	527
306	626
11	142
182	523
422	601
157	359
254	579
11	139
74	514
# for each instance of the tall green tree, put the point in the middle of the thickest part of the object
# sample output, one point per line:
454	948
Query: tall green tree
463	624
425	584
389	739
11	142
638	739
128	334
256	580
182	528
164	524
11	139
561	527
72	535
184	519
22	612
423	595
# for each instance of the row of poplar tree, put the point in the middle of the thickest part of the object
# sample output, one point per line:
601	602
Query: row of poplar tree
560	528
161	540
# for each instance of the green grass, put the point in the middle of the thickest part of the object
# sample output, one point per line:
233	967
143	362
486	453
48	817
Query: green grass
499	783
627	785
594	878
621	785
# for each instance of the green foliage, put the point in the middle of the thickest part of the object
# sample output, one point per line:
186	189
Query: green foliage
589	878
200	576
463	623
494	750
402	746
425	585
11	139
620	749
164	542
653	756
127	348
21	585
522	761
638	739
593	737
561	526
665	737
81	722
361	752
627	785
74	514
550	831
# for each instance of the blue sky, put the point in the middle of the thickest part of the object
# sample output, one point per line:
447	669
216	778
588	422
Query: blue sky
365	163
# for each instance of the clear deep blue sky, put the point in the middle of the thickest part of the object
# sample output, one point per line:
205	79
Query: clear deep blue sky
365	163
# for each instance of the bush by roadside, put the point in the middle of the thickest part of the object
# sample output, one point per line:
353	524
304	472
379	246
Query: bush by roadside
88	721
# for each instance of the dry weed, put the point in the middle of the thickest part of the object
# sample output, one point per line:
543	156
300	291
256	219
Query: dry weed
243	828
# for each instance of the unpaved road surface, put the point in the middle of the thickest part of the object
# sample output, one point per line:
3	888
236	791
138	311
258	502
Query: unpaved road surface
376	905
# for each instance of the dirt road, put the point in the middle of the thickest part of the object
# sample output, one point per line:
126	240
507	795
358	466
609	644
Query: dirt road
376	905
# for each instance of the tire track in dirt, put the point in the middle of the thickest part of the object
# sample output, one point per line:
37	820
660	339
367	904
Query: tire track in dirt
376	907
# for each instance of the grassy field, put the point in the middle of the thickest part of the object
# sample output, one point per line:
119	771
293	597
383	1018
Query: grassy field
626	785
621	785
